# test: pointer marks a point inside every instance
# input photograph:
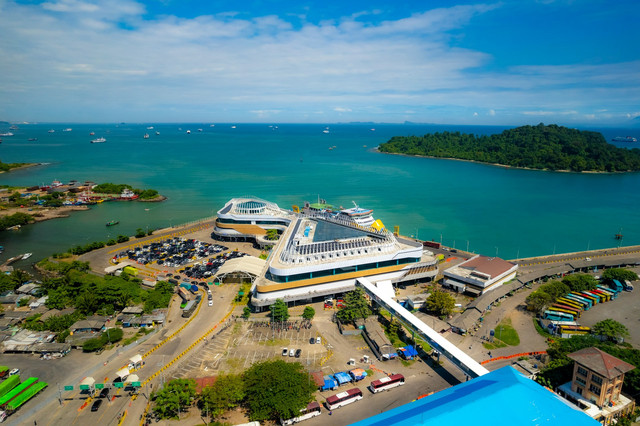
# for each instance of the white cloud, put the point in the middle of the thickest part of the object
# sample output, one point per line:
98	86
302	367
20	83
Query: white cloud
67	54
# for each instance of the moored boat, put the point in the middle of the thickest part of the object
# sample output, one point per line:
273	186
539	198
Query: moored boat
624	139
26	256
98	140
112	222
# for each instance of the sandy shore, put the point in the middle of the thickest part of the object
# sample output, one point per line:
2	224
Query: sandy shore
41	214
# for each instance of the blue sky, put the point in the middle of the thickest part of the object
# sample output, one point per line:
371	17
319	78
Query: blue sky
572	62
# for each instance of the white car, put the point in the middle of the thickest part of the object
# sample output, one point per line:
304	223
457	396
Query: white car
14	371
210	302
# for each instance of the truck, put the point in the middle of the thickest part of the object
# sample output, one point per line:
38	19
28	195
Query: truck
329	383
193	289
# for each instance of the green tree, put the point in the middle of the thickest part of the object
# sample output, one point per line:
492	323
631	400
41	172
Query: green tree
92	345
580	282
140	233
19	277
355	306
279	311
227	392
440	303
308	313
272	234
555	289
277	389
538	301
175	397
619	274
246	312
611	329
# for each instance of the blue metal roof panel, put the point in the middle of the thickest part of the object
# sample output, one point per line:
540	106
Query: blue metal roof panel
517	399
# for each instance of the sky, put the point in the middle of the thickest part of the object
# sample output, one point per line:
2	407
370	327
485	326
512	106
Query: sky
511	62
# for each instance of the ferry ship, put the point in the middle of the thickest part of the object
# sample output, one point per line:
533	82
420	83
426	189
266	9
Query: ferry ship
318	254
358	215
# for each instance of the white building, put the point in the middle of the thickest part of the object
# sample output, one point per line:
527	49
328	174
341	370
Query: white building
479	275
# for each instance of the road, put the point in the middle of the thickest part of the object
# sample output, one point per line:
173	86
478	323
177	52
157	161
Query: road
74	368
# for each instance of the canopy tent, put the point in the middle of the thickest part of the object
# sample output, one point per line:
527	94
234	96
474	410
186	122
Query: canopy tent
87	381
342	377
135	361
122	373
132	378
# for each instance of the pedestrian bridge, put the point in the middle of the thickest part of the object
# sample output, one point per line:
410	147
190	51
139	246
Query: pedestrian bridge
464	362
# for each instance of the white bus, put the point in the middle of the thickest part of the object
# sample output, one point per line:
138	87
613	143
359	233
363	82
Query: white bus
343	398
312	410
387	383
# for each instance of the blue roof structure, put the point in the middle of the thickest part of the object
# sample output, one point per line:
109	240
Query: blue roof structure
501	397
342	377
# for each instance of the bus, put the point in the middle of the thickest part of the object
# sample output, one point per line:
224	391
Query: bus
613	293
557	316
601	297
190	308
343	398
602	294
387	383
571	302
573	329
565	311
576	312
594	299
312	410
586	304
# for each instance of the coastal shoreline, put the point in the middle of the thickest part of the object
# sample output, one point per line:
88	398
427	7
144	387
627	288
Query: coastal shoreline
23	166
504	166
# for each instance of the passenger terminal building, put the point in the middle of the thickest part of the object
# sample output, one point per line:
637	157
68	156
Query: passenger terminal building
319	254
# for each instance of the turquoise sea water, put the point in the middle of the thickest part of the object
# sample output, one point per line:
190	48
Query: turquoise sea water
490	210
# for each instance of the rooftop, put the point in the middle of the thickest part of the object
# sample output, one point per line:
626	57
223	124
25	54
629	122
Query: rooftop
481	268
522	401
601	362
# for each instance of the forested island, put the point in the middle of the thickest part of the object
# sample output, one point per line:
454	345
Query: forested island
540	147
5	167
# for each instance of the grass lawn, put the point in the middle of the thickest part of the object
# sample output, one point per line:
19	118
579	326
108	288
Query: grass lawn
505	332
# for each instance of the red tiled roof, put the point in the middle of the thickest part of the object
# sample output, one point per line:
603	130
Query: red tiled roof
601	362
492	266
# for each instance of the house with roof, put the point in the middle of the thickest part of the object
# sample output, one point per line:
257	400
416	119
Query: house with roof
596	386
479	275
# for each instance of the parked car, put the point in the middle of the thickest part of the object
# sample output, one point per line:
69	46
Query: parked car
104	393
292	352
318	340
210	302
298	352
312	340
285	351
14	371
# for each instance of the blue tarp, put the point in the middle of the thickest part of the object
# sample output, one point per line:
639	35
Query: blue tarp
342	377
408	352
329	383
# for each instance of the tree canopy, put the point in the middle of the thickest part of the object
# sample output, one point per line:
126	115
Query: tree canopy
308	313
277	389
611	329
225	393
440	303
279	311
538	147
355	306
619	274
174	397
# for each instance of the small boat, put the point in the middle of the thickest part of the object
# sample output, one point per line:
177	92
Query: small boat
199	130
26	256
13	127
67	130
233	127
113	222
32	139
14	259
624	139
92	133
99	140
157	133
150	128
51	131
188	131
146	136
6	134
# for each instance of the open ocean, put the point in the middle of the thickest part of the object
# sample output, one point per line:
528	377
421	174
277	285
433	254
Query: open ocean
487	209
